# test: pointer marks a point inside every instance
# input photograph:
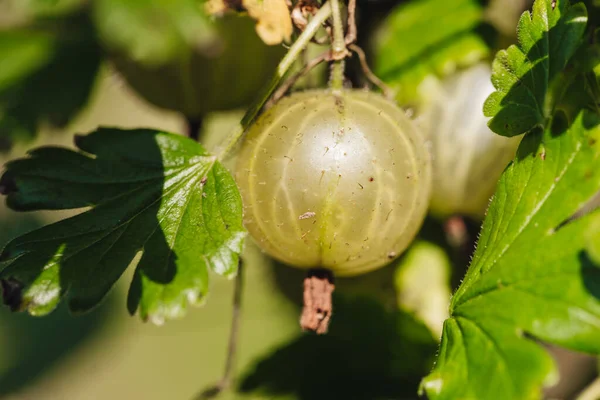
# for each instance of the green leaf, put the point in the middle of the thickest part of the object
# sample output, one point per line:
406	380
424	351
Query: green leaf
408	50
155	197
46	75
532	275
523	73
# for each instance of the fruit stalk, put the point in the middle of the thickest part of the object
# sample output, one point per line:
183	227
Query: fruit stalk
338	47
284	65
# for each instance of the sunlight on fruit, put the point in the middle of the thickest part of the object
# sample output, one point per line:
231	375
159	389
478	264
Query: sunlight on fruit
340	182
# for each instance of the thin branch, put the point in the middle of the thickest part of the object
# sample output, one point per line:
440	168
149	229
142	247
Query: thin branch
288	83
284	65
226	379
387	91
351	34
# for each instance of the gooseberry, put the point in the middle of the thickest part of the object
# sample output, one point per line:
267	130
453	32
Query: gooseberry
338	180
198	81
468	158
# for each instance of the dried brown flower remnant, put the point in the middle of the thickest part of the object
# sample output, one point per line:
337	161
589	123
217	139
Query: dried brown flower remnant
274	23
316	314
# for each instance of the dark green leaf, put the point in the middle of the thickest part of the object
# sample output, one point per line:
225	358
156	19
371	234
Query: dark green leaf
46	75
407	49
156	196
532	275
522	74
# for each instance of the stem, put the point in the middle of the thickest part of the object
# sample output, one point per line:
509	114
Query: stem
338	48
284	65
194	125
387	91
235	324
285	86
225	381
351	33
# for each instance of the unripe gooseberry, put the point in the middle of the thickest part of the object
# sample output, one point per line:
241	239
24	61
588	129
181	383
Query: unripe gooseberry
338	180
198	82
468	158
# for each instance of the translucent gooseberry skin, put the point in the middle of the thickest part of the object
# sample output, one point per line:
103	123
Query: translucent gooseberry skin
200	83
334	180
468	158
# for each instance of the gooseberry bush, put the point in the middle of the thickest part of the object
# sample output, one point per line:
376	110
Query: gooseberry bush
451	146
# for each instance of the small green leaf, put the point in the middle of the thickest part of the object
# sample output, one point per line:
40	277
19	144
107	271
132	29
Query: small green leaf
156	196
532	275
407	49
523	73
46	75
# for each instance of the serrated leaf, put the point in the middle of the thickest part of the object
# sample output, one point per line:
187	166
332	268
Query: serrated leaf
532	276
46	75
523	73
407	49
154	195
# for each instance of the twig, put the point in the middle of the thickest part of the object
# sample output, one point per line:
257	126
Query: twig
351	33
284	65
288	83
387	91
226	379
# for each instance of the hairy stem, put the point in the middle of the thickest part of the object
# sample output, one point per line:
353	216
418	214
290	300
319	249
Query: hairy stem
284	66
351	33
226	380
338	47
387	91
